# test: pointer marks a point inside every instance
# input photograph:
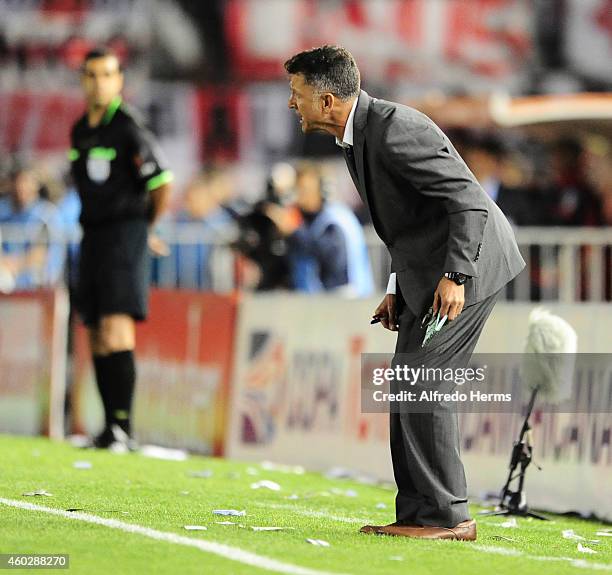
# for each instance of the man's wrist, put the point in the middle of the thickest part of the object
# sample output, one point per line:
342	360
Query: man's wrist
457	277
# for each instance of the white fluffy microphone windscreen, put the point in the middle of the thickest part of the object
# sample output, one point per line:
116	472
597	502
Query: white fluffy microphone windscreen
549	358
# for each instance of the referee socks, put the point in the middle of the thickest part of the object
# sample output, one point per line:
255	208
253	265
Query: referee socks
116	378
102	380
123	377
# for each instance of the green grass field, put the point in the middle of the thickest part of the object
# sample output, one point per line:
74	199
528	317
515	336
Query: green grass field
164	496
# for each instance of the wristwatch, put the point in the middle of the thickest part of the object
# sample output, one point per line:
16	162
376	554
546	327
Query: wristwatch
457	277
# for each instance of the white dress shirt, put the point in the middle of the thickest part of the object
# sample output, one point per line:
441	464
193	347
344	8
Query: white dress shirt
347	138
391	287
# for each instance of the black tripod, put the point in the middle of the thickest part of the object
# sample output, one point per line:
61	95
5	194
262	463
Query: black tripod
515	502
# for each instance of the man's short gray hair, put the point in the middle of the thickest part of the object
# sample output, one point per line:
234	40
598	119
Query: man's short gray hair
327	69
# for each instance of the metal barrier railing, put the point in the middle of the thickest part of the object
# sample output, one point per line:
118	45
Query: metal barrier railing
199	259
31	256
563	264
574	264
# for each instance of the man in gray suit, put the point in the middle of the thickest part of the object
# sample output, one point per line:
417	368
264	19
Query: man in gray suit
451	248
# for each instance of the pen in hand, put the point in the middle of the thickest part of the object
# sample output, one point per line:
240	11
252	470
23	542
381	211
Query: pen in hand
378	318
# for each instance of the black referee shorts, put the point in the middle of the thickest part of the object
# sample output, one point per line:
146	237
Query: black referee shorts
113	271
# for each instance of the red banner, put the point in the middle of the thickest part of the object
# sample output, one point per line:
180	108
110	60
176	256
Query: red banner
38	121
425	41
184	356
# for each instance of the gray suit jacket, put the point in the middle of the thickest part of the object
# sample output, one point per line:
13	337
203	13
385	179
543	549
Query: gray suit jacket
427	206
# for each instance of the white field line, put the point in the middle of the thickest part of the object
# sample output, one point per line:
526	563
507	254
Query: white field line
311	513
508	551
573	561
220	549
539	525
248	558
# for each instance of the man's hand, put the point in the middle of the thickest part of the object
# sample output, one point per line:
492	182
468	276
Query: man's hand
387	313
449	298
158	246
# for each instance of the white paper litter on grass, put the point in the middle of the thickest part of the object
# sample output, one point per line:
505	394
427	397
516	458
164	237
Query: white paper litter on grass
571	535
296	496
345	492
396	558
204	473
510	524
318	542
584	549
266	484
196	528
502	538
252	471
82	465
270	528
604	533
344	473
230	512
294	469
381	506
157	452
367	480
38	492
226	523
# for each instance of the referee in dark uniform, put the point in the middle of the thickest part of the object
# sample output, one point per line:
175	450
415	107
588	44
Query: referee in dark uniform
124	187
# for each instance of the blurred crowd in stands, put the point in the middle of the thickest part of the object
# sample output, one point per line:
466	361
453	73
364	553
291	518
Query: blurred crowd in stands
297	236
567	182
